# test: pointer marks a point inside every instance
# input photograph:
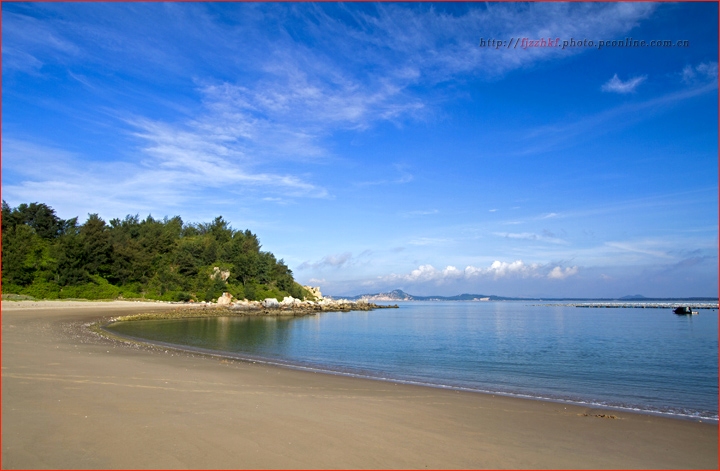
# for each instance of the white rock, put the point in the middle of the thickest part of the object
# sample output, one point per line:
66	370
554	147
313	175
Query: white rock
270	302
315	291
225	299
219	274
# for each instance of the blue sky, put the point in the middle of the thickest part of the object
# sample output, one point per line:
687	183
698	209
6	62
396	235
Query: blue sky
378	146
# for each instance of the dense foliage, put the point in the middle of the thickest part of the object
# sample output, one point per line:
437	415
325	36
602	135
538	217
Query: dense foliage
47	257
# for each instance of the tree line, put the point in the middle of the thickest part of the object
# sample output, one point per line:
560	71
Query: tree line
47	257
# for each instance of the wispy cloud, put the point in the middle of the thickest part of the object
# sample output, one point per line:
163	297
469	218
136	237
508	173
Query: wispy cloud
423	241
644	248
332	261
545	237
431	45
420	212
615	85
402	176
217	158
177	171
703	72
291	97
561	135
28	39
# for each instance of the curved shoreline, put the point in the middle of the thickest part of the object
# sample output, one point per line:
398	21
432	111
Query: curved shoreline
324	369
74	401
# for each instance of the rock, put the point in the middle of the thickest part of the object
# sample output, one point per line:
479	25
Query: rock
315	291
245	305
289	301
218	274
225	299
270	303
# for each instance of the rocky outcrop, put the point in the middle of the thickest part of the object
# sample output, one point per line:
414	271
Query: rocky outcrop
315	291
290	306
225	299
270	303
218	274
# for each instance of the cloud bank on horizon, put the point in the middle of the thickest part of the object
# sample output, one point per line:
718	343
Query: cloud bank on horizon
368	144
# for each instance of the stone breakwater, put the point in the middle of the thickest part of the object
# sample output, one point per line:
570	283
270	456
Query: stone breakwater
638	305
268	307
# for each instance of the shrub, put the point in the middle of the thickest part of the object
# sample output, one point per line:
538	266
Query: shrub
264	291
182	296
237	290
42	290
98	288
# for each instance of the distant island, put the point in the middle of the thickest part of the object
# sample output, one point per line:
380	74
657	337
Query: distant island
400	295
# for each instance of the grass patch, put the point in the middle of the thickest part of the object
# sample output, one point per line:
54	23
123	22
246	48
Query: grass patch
16	297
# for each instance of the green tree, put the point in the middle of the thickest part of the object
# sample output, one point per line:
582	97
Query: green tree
17	247
97	246
40	217
46	256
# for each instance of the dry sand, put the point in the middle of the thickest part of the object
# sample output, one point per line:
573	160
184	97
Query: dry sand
73	400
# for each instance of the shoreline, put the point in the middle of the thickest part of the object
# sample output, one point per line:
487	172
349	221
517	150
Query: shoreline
74	400
101	329
294	308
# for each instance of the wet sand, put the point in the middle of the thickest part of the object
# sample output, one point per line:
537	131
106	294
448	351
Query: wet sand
73	400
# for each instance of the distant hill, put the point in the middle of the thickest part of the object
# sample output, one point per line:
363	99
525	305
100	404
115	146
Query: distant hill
400	295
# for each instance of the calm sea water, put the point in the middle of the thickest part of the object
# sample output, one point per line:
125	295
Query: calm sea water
641	359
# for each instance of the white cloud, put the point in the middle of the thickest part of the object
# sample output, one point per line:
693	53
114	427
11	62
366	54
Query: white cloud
500	269
558	273
430	273
497	270
616	85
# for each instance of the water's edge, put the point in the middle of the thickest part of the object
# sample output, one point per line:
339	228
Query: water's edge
244	357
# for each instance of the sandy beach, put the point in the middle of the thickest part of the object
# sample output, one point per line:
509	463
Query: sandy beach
73	400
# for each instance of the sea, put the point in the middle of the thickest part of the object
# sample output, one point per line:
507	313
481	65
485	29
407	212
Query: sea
642	360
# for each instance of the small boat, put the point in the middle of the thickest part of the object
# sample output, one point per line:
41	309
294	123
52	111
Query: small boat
684	311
